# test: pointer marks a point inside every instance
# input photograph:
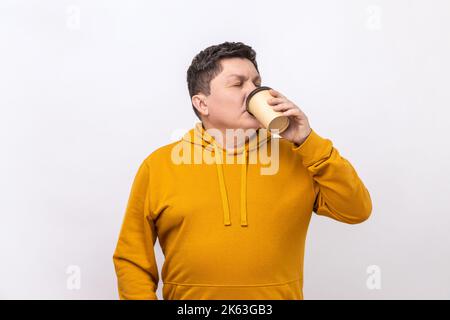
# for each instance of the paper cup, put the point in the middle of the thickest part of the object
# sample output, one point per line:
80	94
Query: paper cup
258	106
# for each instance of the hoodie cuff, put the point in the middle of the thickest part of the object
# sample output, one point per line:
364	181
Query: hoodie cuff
313	149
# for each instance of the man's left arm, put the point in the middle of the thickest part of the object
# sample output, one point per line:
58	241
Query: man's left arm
339	192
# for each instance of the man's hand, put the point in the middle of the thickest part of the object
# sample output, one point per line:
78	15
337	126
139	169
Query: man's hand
299	128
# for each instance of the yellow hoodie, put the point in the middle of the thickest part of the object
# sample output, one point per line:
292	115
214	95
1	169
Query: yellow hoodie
231	230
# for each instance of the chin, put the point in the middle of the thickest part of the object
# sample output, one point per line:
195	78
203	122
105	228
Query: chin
250	123
245	121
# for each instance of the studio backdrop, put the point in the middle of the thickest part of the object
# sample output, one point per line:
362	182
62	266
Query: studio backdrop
89	88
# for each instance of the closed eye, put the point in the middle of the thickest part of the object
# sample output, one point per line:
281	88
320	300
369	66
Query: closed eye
240	84
257	84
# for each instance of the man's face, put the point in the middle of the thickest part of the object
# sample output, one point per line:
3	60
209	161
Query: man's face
228	91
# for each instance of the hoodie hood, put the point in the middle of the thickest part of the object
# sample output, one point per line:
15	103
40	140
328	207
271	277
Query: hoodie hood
199	136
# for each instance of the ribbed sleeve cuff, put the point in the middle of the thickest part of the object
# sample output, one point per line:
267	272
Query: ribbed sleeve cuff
313	149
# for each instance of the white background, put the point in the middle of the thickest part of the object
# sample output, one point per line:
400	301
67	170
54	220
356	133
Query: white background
89	88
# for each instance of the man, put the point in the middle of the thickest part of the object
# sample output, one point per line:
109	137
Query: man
229	229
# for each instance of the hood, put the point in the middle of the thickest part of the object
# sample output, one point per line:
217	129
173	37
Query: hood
199	136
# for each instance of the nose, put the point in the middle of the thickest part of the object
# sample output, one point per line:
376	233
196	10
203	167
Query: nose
250	90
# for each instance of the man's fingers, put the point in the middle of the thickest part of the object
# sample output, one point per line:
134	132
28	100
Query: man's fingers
274	101
283	106
275	93
293	112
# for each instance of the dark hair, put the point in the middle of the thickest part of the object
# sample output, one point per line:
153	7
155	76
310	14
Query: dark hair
206	65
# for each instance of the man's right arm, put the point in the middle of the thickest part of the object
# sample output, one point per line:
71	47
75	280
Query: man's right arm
134	257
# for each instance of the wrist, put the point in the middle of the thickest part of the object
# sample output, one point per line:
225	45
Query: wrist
300	141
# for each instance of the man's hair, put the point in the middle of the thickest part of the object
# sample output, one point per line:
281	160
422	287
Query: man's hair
206	65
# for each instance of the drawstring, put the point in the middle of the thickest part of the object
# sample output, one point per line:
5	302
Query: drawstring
200	137
223	191
244	189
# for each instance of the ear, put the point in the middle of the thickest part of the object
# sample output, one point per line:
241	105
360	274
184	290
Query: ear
199	102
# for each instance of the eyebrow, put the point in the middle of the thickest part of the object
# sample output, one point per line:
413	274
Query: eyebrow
258	77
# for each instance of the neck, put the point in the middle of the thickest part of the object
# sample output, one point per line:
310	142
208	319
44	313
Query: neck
230	141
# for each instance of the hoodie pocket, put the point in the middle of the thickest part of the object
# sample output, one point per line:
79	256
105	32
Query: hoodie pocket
282	291
169	291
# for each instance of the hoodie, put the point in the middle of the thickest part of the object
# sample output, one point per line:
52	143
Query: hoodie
231	223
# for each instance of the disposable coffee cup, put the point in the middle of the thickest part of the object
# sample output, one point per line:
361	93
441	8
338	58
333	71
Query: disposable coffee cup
258	106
